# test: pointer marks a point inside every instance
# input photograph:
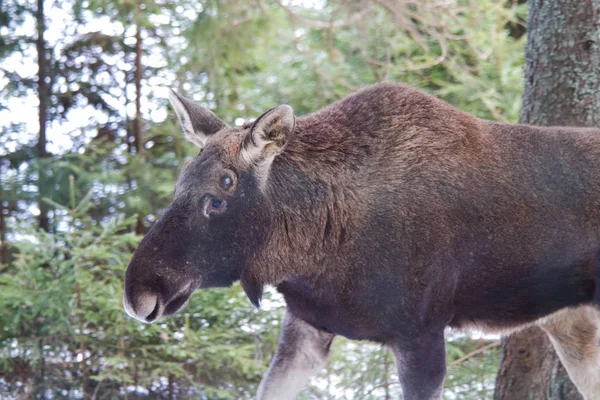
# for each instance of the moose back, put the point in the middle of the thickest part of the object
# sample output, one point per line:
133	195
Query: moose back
386	216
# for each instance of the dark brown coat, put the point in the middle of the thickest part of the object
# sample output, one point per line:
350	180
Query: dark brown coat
386	216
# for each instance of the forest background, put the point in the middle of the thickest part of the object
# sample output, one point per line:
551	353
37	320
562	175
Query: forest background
90	150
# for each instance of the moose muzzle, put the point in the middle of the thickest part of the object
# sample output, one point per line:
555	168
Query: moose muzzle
160	277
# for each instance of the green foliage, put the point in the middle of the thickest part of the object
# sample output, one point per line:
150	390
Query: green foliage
462	52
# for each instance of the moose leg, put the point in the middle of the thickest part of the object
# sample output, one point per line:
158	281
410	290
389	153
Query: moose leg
302	351
421	363
575	334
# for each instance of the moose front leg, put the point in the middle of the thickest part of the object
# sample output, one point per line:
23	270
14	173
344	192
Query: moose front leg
421	363
302	351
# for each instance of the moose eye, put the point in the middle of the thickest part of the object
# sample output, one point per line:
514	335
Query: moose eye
226	182
217	203
214	205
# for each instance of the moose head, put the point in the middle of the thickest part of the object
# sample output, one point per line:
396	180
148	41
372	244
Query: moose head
219	216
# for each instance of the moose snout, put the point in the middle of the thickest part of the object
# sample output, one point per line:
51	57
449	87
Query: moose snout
146	306
147	298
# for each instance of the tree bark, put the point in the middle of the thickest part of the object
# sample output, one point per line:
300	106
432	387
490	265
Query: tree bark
44	99
562	87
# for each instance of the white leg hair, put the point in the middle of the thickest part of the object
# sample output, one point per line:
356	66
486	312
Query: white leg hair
302	351
575	334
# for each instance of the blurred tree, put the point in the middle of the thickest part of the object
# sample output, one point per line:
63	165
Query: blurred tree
43	89
561	88
138	130
21	28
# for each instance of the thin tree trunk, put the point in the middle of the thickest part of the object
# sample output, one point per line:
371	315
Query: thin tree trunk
44	98
128	123
135	379
138	128
562	87
3	244
82	362
42	377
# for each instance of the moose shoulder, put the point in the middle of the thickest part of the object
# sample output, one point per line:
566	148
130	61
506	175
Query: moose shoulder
386	216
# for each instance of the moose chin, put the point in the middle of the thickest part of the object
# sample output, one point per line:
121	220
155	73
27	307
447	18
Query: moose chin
386	216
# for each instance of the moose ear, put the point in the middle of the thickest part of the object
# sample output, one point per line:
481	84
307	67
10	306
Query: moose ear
197	122
268	135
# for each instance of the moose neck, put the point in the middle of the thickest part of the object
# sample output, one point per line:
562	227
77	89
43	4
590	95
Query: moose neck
308	194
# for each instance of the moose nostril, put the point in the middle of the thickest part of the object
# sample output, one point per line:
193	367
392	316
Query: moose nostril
145	307
154	314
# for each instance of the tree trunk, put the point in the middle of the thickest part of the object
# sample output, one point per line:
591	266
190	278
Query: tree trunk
138	129
562	87
3	244
530	369
44	99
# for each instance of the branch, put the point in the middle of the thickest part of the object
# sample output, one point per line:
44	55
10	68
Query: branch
325	25
473	353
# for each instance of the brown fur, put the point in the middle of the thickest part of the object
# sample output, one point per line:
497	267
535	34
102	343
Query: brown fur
386	216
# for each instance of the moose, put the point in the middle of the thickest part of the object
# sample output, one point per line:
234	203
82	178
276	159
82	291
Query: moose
386	216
